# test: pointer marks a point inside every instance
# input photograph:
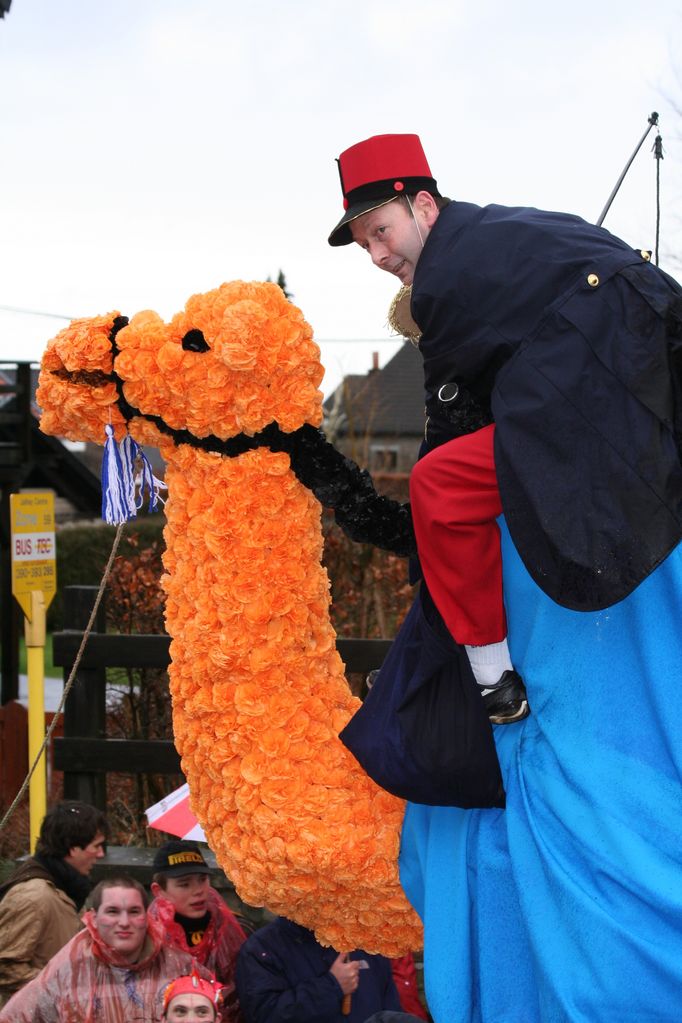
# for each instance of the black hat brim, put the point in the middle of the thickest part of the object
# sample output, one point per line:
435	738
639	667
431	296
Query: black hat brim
184	868
341	235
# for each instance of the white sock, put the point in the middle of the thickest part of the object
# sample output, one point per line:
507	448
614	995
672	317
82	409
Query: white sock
489	662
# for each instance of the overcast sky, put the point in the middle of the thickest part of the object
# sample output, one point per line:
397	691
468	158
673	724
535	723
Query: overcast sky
155	148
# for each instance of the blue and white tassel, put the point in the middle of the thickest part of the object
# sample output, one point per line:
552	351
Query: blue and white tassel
120	479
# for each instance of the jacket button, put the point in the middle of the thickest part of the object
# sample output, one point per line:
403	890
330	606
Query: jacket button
448	392
646	255
592	280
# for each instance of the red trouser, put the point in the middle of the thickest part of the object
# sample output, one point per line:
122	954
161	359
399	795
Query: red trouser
455	501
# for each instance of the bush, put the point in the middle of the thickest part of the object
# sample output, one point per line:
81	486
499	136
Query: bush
83	552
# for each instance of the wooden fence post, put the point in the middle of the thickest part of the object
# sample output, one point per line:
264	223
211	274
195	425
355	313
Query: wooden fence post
84	754
85	708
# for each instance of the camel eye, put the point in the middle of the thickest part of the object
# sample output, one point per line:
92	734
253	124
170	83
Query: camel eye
194	341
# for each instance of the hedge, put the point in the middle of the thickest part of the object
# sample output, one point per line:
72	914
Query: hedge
83	552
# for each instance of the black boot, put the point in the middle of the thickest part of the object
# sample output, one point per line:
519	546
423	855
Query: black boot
506	702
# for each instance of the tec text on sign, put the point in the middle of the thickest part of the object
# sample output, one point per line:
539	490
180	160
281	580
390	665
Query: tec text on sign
33	548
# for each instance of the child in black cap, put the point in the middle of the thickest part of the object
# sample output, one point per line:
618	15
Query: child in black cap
194	917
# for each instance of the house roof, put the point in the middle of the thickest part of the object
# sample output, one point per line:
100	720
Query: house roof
384	402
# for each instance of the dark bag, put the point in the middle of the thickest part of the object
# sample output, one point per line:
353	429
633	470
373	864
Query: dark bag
423	732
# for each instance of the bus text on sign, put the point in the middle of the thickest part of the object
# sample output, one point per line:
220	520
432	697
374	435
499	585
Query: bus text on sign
34	566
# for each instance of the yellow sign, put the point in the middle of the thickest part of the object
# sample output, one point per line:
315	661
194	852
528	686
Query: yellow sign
34	552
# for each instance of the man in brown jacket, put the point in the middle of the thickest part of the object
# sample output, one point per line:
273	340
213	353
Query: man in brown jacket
39	902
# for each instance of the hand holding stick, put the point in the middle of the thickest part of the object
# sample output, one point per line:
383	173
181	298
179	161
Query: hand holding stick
346	971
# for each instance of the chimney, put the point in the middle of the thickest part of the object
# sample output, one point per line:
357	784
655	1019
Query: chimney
375	362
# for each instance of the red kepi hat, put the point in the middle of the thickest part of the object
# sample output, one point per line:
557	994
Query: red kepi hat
376	171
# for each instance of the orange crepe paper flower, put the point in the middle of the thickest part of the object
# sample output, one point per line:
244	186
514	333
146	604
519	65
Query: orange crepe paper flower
259	693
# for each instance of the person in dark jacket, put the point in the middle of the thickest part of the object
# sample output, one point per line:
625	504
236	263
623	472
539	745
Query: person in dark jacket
39	902
285	976
559	333
570	341
468	589
528	321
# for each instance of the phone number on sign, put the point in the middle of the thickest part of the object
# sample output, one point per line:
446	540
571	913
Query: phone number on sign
34	572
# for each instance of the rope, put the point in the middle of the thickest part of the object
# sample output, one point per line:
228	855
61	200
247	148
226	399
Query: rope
72	678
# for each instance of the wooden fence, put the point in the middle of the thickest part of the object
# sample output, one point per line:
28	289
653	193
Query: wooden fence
85	754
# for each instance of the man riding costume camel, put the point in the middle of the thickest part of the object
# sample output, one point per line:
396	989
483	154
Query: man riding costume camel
553	350
484	282
468	587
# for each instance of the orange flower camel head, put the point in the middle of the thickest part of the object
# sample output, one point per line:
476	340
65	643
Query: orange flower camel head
259	693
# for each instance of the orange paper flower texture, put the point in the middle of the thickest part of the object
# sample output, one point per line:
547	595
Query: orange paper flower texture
259	692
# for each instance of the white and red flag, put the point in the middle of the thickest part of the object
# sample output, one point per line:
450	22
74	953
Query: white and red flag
173	815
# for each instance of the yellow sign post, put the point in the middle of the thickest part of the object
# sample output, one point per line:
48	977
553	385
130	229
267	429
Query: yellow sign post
34	583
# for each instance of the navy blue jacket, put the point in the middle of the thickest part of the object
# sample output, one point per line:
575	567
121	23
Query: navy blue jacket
283	977
574	342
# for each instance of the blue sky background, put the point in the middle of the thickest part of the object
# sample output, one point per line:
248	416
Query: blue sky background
154	148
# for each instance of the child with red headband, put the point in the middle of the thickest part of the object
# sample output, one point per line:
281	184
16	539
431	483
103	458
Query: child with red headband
192	1000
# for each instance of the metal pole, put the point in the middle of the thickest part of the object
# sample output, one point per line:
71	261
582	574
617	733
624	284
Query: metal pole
35	655
653	120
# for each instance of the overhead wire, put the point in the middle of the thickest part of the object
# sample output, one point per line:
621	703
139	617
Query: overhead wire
34	312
